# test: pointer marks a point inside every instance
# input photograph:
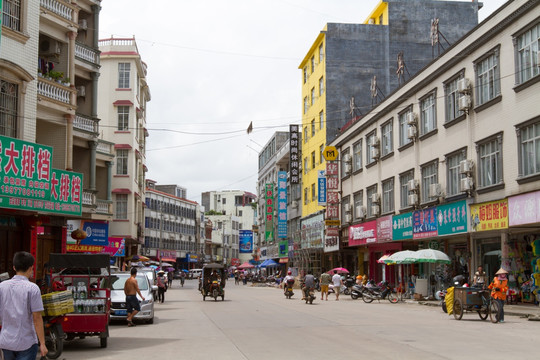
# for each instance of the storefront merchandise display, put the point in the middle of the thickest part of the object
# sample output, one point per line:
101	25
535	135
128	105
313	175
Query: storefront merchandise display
535	277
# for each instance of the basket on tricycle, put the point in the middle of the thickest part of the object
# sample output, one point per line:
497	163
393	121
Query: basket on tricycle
470	299
84	276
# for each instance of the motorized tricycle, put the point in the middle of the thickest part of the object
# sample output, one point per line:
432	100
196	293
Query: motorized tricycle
212	281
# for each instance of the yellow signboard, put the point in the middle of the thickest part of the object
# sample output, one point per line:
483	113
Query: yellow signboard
489	216
330	153
332	222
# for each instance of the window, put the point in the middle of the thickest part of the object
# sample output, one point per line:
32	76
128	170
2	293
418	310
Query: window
321	86
321	157
224	201
121	206
530	149
527	54
388	196
305	166
321	53
122	161
428	115
404	188
312	64
123	75
313	163
488	85
306	104
321	120
8	108
403	138
305	134
387	140
451	98
123	118
312	127
305	74
312	96
453	177
357	155
313	193
429	176
345	209
369	192
370	141
358	202
12	14
490	162
345	165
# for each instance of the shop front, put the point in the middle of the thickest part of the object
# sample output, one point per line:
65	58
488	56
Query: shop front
383	246
310	253
363	236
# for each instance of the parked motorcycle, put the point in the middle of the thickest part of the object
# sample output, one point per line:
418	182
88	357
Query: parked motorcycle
357	291
289	289
347	285
54	336
440	295
378	292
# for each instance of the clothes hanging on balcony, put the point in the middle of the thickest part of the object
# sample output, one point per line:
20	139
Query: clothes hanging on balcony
44	65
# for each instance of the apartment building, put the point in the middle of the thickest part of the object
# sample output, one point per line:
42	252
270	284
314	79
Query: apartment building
124	93
450	160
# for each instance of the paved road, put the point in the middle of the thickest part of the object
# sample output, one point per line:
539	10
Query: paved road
259	323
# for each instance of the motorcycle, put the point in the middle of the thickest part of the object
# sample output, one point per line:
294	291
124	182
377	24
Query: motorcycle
289	289
347	285
357	291
310	295
54	336
382	291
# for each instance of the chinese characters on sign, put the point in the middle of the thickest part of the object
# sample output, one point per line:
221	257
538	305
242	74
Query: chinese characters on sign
452	218
384	229
362	234
489	216
269	197
402	228
282	204
294	154
424	223
524	209
321	180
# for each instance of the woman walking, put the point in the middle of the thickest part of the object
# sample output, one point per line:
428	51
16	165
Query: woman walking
499	287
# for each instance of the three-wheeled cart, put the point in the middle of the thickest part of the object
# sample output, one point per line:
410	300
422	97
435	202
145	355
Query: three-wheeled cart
469	299
212	281
85	276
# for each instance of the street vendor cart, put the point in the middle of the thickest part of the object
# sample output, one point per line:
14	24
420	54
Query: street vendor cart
84	275
470	299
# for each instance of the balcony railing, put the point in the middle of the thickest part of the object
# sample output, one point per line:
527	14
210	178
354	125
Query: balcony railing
85	123
58	8
103	207
88	198
86	53
104	147
54	91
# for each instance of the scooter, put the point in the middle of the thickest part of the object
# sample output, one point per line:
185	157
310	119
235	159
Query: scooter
289	289
347	285
310	295
382	291
357	291
54	335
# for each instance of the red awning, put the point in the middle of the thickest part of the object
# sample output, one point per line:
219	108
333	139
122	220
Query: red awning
121	191
168	259
122	146
122	103
283	260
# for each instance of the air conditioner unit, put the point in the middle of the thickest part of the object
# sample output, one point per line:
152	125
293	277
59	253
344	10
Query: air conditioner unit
466	184
464	102
347	208
466	166
374	153
294	204
347	169
375	198
81	91
375	141
361	212
83	24
346	158
412	185
435	190
463	85
374	209
347	217
411	132
413	199
411	118
50	47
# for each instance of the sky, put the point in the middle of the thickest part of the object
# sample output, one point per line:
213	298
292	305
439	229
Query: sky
214	66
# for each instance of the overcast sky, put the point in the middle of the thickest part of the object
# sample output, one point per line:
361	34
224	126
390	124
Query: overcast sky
216	65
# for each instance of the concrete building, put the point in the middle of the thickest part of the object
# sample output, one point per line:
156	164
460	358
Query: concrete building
450	160
124	93
225	239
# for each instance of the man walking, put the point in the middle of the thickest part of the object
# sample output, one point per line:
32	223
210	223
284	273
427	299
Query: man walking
336	280
325	280
131	289
20	311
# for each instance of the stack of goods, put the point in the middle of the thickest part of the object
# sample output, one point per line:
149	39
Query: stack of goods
536	269
58	303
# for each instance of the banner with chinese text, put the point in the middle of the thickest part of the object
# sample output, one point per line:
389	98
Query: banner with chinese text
402	228
384	229
362	234
269	223
452	218
489	216
294	154
424	223
282	204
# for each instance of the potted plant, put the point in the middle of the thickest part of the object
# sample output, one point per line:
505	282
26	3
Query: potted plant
56	75
66	81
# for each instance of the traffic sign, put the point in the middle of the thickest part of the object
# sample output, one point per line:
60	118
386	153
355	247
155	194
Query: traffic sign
330	153
332	222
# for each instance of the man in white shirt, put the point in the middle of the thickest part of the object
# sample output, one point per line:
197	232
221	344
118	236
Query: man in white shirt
337	282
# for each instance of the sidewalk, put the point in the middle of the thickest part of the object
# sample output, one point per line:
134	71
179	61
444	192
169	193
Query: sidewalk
530	311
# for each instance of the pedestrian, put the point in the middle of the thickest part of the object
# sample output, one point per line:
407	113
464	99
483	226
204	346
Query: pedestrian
499	287
131	289
325	280
170	276
236	277
480	277
336	280
245	276
20	311
162	286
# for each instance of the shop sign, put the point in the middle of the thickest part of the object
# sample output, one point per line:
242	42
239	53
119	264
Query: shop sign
424	223
331	168
30	183
235	262
97	233
272	251
332	231
452	218
169	254
332	211
294	154
434	245
332	197
489	216
282	204
362	234
321	182
193	258
384	229
115	247
402	228
312	232
245	240
332	183
331	243
283	248
269	223
524	209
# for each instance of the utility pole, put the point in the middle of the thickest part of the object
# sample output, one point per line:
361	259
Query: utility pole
160	235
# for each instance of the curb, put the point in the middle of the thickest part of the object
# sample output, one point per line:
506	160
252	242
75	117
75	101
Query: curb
530	317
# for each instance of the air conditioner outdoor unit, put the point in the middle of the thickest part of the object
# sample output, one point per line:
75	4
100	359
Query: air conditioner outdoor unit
374	209
374	153
347	169
81	91
83	24
411	132
411	118
294	204
50	47
375	198
361	212
412	185
346	158
463	85
435	190
466	184
413	199
347	217
466	166
375	141
347	208
464	102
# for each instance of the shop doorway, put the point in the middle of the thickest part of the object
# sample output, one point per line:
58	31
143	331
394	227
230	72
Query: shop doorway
491	258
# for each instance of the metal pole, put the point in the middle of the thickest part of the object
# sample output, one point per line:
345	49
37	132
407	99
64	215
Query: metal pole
160	235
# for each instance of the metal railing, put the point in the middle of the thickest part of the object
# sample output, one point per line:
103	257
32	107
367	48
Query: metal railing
85	123
53	91
86	53
58	8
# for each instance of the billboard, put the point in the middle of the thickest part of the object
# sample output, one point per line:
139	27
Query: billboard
97	232
282	204
245	241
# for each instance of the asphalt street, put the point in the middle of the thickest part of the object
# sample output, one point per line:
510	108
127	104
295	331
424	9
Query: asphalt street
260	323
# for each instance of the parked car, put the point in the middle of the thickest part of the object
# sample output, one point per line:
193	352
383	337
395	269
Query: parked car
150	273
118	298
195	273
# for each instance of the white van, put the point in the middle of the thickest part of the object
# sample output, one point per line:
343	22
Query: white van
195	273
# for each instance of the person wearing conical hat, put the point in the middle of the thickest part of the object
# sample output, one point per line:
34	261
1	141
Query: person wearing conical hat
499	287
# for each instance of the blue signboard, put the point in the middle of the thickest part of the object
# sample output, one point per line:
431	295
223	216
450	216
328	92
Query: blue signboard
246	241
321	181
282	204
425	223
97	233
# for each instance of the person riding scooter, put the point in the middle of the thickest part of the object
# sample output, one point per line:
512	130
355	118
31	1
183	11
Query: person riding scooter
309	284
286	280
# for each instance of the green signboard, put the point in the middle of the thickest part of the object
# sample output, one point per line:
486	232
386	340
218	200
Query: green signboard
402	227
452	218
283	248
29	182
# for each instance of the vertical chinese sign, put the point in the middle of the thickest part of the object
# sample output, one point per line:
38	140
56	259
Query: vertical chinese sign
282	204
294	154
321	184
29	182
269	224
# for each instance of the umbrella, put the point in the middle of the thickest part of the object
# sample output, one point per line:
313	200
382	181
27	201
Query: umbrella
184	270
154	266
383	258
268	263
164	264
170	268
246	265
401	257
340	270
138	258
432	256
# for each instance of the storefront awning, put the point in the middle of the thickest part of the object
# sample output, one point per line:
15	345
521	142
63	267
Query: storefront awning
168	259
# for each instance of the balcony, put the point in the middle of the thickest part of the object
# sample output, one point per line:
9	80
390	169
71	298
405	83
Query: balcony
104	147
85	123
86	53
56	7
103	207
88	198
54	91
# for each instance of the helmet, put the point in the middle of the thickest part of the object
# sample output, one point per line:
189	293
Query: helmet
289	272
